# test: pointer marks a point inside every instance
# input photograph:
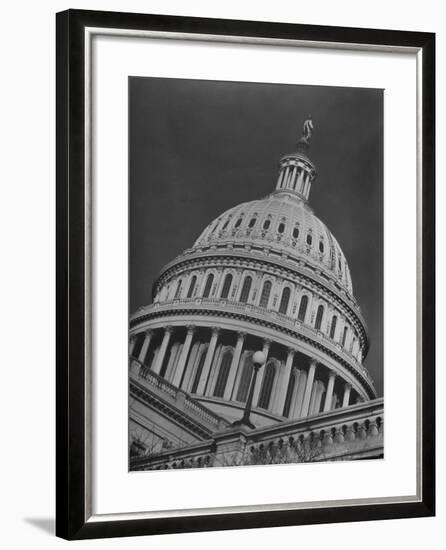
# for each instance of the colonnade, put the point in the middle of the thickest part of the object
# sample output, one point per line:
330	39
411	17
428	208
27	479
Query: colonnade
289	384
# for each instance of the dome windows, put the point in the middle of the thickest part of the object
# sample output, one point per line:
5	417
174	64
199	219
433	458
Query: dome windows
266	291
238	222
319	317
309	239
252	222
303	309
334	320
283	308
226	286
344	336
266	224
225	225
246	288
281	228
192	284
296	233
321	246
208	286
178	290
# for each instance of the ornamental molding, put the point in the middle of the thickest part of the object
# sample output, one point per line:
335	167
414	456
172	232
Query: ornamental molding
318	344
271	268
146	397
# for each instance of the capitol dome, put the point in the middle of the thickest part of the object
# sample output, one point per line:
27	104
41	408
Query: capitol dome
285	225
265	275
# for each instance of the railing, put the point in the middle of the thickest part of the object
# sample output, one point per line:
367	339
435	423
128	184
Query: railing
145	376
261	314
351	432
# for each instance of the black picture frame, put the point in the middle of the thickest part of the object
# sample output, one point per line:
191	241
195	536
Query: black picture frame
71	511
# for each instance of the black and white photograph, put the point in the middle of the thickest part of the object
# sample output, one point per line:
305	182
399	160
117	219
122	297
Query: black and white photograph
255	274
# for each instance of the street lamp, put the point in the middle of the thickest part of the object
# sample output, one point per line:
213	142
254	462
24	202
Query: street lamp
258	360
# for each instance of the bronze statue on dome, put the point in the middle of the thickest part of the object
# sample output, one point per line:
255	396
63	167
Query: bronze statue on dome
307	130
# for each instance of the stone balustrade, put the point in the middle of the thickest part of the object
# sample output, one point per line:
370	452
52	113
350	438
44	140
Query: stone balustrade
144	376
341	434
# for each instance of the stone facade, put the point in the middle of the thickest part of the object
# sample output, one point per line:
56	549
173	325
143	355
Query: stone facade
266	275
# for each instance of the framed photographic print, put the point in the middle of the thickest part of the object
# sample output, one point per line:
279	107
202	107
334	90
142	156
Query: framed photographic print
245	274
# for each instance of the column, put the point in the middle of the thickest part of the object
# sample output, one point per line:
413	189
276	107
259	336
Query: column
174	355
183	357
191	365
213	371
308	388
279	181
347	390
208	361
131	345
280	401
145	346
235	285
313	398
298	397
172	360
234	365
329	396
320	391
265	349
162	351
293	178
299	186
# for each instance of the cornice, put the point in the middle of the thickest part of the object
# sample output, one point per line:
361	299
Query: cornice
278	268
187	313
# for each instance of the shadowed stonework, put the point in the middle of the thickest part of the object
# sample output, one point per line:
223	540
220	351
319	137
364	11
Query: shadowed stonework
265	275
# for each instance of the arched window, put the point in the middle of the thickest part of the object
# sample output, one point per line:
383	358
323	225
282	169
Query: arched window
215	227
252	222
289	394
303	308
321	246
352	343
178	289
334	320
226	286
309	238
225	225
267	385
319	315
223	374
245	380
208	286
344	336
266	224
281	228
198	372
284	300
246	288
238	222
266	291
192	286
296	233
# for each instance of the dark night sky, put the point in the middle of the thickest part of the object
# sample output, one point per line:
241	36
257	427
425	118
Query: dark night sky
198	148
